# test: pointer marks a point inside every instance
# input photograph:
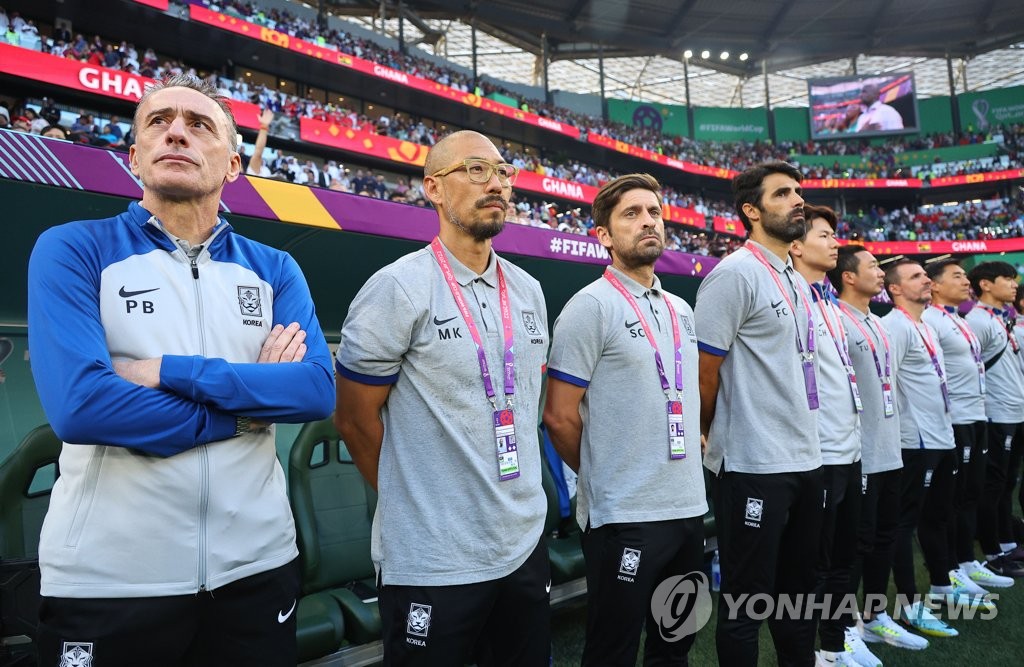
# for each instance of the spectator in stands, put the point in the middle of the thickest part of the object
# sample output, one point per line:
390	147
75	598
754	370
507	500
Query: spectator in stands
51	113
380	188
55	132
22	124
5	118
209	582
256	166
486	601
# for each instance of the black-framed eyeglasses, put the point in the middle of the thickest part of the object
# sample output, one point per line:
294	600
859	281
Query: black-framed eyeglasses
479	171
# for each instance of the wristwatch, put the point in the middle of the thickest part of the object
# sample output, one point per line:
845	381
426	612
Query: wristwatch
242	425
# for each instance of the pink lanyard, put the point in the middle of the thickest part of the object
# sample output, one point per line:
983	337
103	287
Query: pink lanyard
871	343
617	284
965	331
844	349
759	256
506	324
929	344
1014	345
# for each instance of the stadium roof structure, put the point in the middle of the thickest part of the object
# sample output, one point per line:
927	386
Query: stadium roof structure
642	43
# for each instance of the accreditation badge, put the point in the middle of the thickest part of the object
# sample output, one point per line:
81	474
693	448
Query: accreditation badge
676	443
508	452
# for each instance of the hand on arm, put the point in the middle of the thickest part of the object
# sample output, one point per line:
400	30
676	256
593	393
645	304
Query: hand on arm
357	418
563	421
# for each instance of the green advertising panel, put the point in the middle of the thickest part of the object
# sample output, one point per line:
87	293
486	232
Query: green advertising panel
934	114
665	118
990	108
791	124
723	124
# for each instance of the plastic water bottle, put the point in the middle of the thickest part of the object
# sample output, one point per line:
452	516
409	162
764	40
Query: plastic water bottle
716	572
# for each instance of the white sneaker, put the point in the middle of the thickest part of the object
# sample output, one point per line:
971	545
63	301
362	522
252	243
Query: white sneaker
843	659
984	576
860	652
964	584
884	629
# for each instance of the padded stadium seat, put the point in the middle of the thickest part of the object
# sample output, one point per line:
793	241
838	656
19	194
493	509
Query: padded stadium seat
564	548
26	478
23	503
333	508
320	626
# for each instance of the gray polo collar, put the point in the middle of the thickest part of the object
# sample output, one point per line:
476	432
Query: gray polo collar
773	259
465	275
632	286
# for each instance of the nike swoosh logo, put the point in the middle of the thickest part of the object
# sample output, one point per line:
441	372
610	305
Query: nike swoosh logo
125	294
440	322
281	618
630	325
777	303
547	589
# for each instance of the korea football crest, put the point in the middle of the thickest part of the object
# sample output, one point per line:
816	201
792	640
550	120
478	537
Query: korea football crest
76	654
753	511
418	622
249	301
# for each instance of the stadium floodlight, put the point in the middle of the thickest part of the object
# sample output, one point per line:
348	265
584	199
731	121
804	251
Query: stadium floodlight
687	54
743	57
705	54
724	55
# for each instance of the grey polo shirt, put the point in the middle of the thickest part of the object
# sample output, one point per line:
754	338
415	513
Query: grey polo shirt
924	422
442	517
1004	396
962	376
879	435
762	420
626	474
838	419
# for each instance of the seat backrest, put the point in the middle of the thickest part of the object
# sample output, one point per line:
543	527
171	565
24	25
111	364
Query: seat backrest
333	507
26	478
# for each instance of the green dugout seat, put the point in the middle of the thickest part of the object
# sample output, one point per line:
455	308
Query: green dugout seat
333	508
564	548
26	479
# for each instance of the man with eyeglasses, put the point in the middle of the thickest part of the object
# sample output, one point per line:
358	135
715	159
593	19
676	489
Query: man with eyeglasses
439	374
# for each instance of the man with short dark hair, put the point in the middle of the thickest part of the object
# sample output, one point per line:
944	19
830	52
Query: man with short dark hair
759	404
926	434
641	497
858	279
967	380
169	532
995	284
839	434
439	381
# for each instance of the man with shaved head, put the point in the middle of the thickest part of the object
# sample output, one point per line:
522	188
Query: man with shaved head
439	381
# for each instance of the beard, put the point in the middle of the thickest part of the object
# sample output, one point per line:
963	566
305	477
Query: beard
786	228
481	229
641	255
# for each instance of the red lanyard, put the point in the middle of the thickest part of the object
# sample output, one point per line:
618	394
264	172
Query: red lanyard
759	256
617	284
506	324
966	332
871	343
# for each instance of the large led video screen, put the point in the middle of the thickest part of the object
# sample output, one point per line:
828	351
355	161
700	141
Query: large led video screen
862	106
